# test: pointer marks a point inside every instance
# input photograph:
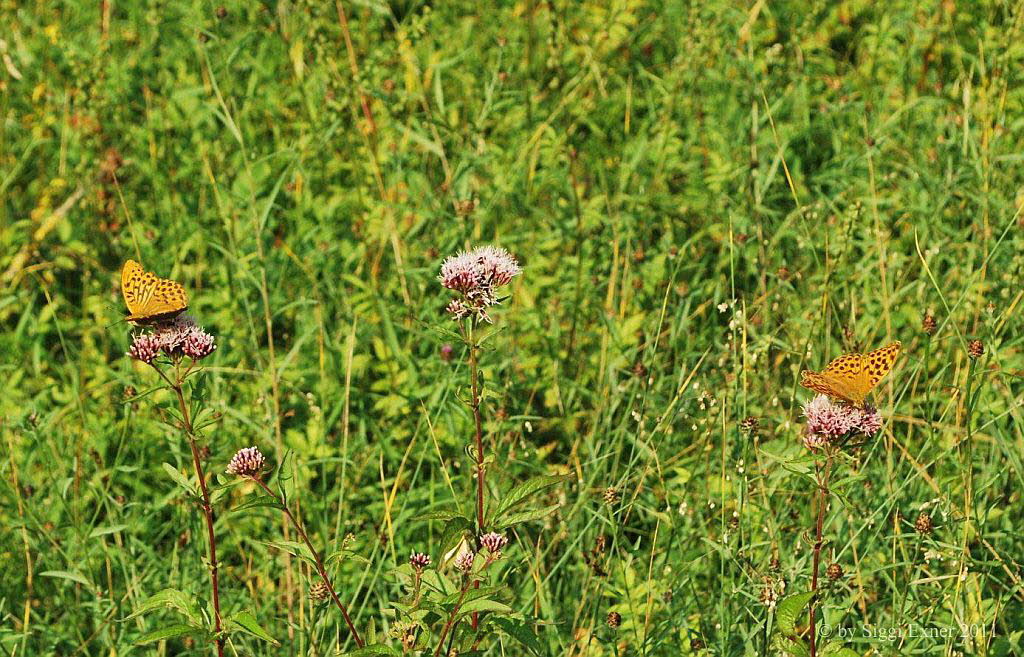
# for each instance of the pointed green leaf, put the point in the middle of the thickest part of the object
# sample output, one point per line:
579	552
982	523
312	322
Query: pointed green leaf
257	503
481	605
168	632
524	490
179	478
472	594
520	632
437	515
794	647
103	531
836	649
526	516
789	609
174	599
293	548
66	574
246	621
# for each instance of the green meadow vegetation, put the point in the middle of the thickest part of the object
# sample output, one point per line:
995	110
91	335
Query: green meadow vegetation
704	198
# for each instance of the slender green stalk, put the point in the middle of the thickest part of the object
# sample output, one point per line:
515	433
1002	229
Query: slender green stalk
318	560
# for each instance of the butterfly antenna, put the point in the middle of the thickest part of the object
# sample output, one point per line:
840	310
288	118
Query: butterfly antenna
111	307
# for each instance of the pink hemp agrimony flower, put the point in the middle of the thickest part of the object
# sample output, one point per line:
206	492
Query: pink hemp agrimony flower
145	347
493	542
464	562
828	421
419	561
247	462
474	275
181	336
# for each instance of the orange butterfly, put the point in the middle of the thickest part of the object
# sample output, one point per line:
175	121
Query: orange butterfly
852	376
150	299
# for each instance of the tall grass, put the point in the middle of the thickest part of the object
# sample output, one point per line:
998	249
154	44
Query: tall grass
706	198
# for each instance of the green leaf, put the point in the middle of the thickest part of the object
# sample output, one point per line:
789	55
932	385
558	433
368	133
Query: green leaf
437	515
526	516
257	503
168	632
483	604
524	490
472	594
246	621
794	647
788	611
368	651
293	548
174	599
103	531
66	574
180	479
836	649
519	631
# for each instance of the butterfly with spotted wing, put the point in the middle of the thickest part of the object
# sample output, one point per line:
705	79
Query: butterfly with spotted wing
150	299
851	377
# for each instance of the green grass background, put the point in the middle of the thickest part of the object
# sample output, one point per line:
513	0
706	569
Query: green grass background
707	197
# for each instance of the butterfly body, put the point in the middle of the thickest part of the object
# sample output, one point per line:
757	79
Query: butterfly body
150	299
851	377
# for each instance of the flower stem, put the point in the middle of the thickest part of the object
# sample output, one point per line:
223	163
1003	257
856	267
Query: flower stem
823	494
451	616
207	507
316	557
475	385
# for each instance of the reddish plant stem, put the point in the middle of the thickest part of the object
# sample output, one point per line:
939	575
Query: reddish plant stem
474	377
316	557
823	495
451	617
207	507
479	441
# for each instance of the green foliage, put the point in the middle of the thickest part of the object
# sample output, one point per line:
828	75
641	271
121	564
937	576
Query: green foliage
707	198
789	610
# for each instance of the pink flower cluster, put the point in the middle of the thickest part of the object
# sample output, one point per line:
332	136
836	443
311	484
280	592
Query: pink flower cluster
828	421
464	562
475	275
247	462
419	561
180	337
493	542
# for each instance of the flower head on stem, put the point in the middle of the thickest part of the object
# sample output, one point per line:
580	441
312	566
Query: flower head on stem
475	275
247	462
829	422
419	561
177	338
493	542
464	562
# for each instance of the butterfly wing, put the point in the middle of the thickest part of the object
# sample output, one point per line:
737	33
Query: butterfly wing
845	378
150	299
852	376
879	362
